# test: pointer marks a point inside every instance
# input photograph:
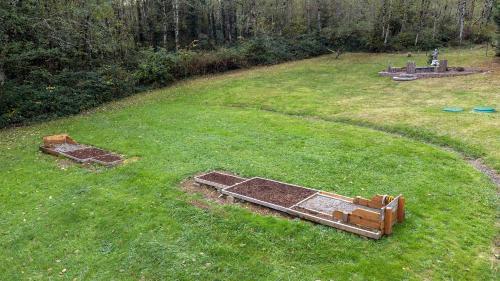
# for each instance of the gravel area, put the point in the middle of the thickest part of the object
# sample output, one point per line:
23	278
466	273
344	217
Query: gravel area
311	212
67	147
328	205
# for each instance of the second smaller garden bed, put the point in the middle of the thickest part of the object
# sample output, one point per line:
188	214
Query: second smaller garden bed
63	145
218	180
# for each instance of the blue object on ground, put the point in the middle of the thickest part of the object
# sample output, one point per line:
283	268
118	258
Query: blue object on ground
453	109
484	109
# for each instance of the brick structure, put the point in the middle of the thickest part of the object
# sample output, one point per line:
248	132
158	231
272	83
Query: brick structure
443	66
411	67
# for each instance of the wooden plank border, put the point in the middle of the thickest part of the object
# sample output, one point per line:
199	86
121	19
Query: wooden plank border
218	186
54	152
335	224
389	214
107	163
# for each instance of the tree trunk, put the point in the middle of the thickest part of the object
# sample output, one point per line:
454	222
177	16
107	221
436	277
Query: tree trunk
233	28
404	21
461	19
308	15
434	28
384	13
2	76
253	18
486	13
140	23
319	15
175	7
437	16
423	10
214	23
469	17
388	28
165	24
87	38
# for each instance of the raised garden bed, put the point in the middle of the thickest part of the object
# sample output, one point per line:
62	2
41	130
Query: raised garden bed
63	145
368	217
281	194
85	154
218	180
107	159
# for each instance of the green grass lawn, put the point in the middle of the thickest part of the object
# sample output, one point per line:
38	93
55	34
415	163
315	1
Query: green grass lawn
133	222
350	90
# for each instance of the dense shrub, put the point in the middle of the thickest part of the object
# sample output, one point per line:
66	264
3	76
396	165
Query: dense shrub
307	46
403	41
155	68
47	96
261	51
346	38
45	93
199	63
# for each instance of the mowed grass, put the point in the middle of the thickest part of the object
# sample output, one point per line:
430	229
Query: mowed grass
133	222
350	90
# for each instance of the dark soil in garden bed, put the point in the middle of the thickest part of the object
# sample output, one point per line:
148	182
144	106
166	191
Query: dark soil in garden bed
219	178
212	195
86	153
273	192
109	158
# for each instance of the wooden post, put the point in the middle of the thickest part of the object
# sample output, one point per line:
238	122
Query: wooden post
57	139
341	216
388	220
358	200
401	209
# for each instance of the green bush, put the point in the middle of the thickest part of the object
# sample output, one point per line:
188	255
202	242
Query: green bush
45	87
344	38
120	82
403	41
155	68
201	63
261	51
308	46
47	96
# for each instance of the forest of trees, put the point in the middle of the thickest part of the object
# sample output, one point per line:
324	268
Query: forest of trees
60	57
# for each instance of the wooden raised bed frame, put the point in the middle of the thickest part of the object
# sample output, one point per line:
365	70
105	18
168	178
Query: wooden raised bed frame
371	218
51	143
